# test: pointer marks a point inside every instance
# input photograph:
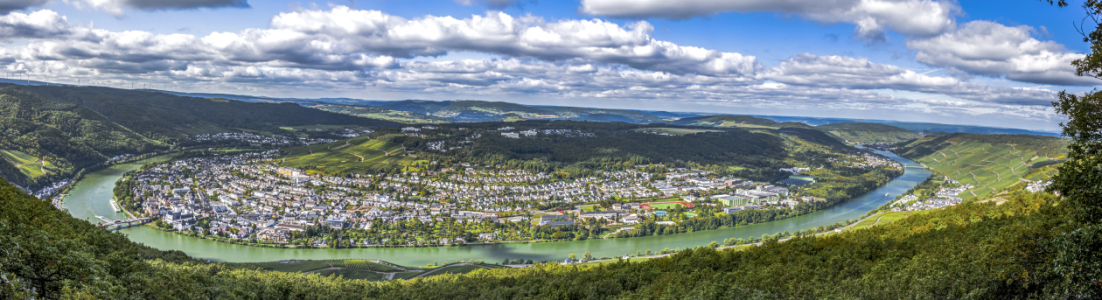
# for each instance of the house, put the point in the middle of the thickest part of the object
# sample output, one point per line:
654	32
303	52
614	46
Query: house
731	209
555	221
608	215
632	219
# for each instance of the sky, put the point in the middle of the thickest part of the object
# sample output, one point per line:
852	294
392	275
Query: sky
977	62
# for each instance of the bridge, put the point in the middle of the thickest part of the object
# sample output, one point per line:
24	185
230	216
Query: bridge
122	224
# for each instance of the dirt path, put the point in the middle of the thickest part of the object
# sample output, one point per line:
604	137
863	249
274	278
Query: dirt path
395	150
357	155
440	268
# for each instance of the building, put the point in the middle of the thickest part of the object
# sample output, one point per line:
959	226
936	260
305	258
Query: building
608	215
555	221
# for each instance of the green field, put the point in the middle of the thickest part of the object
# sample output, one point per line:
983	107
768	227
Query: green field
989	168
29	165
675	131
883	218
664	205
360	155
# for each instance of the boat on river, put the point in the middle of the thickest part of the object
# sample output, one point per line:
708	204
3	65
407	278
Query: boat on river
115	205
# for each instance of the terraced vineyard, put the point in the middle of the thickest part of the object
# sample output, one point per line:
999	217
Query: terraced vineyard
359	155
988	164
29	165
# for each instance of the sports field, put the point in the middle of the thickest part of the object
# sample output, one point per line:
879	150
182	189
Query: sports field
665	205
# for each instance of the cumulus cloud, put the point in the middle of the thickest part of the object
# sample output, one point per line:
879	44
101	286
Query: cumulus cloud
499	33
341	49
859	73
118	7
10	5
872	17
992	49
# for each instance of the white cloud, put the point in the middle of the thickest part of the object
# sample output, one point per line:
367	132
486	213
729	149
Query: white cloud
872	17
343	49
857	73
992	49
499	33
118	7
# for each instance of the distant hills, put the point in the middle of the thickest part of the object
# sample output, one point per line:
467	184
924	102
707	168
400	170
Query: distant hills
870	133
52	132
428	111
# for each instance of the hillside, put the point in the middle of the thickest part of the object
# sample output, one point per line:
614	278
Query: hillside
869	133
991	163
727	121
380	113
971	250
422	111
353	155
574	147
66	129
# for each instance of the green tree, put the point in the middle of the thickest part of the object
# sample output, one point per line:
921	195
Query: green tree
1079	180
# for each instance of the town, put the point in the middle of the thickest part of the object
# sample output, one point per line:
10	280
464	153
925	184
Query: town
246	197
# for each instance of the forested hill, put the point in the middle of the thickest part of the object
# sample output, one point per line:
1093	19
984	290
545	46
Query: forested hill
869	133
991	163
973	250
52	132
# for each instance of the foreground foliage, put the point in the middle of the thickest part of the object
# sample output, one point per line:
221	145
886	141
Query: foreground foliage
973	250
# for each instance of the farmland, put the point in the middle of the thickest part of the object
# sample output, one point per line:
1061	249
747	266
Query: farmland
665	205
29	165
361	155
990	167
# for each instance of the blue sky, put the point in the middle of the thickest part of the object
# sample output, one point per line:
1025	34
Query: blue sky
994	63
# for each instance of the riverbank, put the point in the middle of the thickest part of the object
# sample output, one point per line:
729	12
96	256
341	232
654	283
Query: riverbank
89	197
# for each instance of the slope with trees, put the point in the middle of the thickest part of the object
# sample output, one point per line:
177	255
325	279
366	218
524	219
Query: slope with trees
72	128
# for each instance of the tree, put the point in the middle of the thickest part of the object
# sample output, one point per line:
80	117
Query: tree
1079	180
713	244
587	256
572	256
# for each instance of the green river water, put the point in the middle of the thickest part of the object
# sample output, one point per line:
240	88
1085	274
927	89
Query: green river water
90	196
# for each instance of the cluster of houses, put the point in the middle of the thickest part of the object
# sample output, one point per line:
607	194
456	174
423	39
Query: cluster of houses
256	139
245	196
945	196
1037	186
867	160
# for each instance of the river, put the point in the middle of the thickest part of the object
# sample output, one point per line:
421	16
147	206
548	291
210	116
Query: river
90	196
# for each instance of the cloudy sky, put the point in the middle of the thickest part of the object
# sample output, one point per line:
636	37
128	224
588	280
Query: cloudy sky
980	62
